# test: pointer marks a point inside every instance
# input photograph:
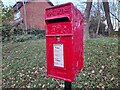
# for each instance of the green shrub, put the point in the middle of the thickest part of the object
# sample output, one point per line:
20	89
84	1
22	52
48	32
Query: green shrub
17	36
6	32
36	32
41	36
23	38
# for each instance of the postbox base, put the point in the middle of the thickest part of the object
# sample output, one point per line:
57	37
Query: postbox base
60	78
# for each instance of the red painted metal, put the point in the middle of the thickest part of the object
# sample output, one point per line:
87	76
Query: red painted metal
64	41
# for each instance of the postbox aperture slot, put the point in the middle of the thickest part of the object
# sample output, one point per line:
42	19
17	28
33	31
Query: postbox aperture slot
57	20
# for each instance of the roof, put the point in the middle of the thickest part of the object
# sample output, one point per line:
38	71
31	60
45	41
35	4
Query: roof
19	4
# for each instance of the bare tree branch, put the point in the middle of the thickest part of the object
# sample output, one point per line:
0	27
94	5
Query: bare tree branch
114	16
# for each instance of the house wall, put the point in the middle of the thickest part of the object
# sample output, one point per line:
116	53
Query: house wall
35	14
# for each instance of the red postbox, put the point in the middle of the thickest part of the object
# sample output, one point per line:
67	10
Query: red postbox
64	41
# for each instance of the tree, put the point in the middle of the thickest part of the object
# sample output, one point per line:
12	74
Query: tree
7	17
99	18
107	14
86	17
7	14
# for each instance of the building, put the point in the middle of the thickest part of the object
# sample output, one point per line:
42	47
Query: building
30	14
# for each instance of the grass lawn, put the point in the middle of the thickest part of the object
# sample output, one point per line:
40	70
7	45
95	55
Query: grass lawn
23	65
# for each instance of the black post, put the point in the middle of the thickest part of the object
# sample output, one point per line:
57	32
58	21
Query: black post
67	85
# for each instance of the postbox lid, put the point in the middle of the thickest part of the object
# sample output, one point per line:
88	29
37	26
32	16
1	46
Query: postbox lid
59	11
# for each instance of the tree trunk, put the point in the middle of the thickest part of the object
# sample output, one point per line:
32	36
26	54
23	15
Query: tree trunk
99	18
87	22
107	14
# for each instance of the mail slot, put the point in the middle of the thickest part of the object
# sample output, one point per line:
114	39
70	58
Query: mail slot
64	41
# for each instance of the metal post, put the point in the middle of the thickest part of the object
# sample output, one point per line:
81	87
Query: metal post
67	85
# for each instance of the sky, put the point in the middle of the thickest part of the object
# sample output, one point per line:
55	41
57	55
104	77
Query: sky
8	2
12	2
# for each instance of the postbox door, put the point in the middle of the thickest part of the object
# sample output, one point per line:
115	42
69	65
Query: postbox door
63	50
